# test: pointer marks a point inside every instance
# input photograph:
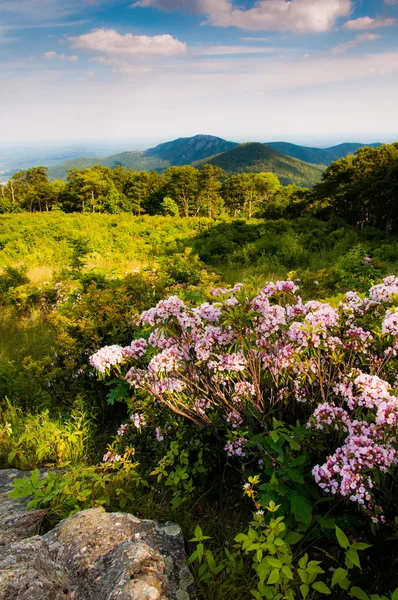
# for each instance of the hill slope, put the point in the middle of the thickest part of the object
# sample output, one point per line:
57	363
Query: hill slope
182	151
256	158
318	156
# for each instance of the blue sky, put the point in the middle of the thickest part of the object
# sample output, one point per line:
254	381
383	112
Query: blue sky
309	71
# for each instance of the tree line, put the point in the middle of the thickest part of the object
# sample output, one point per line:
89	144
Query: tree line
179	191
361	189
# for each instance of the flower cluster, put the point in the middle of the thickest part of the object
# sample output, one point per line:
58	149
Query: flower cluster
138	420
235	447
232	360
107	357
123	429
111	457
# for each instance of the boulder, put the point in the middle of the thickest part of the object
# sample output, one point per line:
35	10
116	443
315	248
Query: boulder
91	555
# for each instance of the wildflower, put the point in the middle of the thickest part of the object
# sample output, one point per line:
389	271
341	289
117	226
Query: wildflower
122	430
159	435
235	447
107	357
138	420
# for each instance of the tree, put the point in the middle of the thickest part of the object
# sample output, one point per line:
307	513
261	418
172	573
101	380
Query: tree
182	185
363	189
92	189
248	193
209	188
141	188
169	207
30	189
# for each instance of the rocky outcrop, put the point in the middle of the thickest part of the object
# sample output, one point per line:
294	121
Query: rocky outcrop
92	555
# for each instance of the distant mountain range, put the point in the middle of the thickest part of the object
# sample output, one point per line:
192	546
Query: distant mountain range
291	163
318	156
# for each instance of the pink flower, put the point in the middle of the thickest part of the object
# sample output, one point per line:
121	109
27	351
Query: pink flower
138	420
235	447
390	323
107	357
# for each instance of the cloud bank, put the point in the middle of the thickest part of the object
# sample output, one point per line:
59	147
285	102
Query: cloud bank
299	16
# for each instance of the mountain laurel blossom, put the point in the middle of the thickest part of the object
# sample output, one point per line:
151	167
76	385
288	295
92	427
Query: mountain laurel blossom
243	355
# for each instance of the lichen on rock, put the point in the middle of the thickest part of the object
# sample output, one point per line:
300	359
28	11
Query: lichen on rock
91	555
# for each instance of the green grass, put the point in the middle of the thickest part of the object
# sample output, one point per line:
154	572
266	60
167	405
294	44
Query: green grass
22	338
116	241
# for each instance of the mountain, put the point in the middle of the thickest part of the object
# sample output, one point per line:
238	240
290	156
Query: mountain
256	158
182	151
291	163
318	156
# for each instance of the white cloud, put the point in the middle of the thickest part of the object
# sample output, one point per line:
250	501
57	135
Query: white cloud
113	44
359	39
369	23
53	55
299	16
230	50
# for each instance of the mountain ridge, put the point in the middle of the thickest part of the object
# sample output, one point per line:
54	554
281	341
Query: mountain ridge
319	156
255	157
201	148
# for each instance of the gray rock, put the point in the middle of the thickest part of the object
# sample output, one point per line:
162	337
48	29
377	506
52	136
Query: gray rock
16	523
92	555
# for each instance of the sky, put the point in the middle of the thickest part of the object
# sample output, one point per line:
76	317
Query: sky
147	71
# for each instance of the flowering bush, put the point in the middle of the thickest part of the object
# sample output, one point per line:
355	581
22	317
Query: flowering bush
248	358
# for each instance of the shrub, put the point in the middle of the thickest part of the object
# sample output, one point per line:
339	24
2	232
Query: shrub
255	364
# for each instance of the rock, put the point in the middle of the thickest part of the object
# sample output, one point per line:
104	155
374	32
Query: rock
16	522
91	555
27	572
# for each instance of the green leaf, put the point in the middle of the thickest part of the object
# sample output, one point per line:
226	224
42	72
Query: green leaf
274	562
275	436
338	576
200	550
394	595
303	575
360	546
356	592
293	537
342	539
287	571
352	555
321	587
274	577
198	532
304	589
303	561
301	509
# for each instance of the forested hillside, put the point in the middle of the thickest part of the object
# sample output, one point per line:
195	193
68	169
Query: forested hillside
257	158
182	151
